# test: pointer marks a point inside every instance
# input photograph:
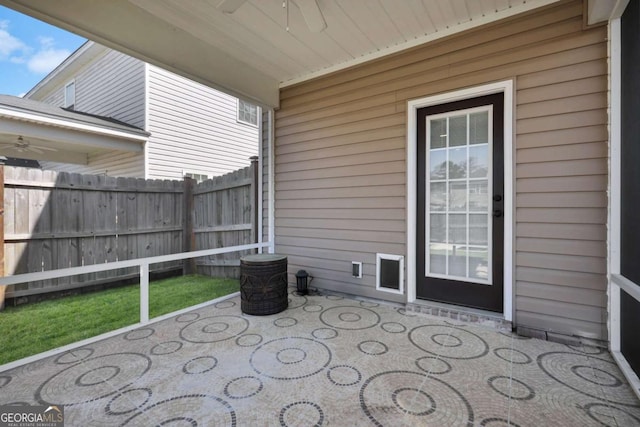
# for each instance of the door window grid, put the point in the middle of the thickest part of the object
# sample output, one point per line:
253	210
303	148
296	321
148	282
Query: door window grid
448	176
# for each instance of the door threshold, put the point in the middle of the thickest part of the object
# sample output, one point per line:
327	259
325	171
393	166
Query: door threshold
461	314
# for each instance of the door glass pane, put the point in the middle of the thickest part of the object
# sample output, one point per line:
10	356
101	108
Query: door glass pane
478	262
458	261
478	196
458	131
438	197
478	161
438	133
479	128
478	229
438	258
438	164
458	163
458	228
458	196
438	228
459	205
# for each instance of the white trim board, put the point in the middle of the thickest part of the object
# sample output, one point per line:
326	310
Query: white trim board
505	87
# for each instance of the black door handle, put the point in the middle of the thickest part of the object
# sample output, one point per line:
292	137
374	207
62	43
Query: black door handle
497	213
497	198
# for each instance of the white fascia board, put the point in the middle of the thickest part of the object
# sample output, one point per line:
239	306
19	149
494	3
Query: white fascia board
67	124
68	136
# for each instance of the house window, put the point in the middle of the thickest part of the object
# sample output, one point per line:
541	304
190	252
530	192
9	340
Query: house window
198	177
247	113
70	95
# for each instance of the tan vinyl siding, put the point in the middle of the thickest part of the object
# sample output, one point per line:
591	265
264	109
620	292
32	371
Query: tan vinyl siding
117	163
341	161
194	128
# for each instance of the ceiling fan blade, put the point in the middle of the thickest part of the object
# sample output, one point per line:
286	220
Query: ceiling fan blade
230	6
35	150
312	15
3	146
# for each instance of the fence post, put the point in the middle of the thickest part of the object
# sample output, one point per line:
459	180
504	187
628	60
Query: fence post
189	241
144	293
2	288
255	192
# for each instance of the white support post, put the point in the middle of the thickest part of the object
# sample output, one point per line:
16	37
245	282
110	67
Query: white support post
144	293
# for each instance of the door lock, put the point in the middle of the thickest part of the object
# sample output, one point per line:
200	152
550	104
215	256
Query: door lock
497	213
497	198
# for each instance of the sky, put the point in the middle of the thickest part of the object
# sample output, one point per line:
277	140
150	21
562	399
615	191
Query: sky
29	50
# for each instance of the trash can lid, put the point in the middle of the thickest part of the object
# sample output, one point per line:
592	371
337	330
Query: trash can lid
260	258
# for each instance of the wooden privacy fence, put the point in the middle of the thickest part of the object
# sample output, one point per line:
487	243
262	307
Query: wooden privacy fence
56	220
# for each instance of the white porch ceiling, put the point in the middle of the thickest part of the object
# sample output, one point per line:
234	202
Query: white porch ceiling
249	52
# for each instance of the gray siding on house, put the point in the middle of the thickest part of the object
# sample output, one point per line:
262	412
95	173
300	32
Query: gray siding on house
110	86
266	129
341	161
117	163
194	128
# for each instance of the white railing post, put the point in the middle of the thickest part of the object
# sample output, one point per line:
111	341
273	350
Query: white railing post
144	293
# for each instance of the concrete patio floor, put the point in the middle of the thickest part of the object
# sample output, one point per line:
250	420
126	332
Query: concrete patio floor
326	360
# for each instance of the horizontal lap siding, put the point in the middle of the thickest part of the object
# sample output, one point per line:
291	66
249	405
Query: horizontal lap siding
194	128
341	161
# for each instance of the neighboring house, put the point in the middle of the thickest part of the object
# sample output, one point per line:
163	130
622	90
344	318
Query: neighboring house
194	130
33	131
481	155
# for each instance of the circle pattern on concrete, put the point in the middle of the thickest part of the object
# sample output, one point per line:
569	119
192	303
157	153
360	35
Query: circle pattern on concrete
586	349
516	357
558	365
498	422
285	322
373	348
225	304
249	340
187	317
281	358
296	300
334	317
243	387
4	380
344	375
388	395
471	346
167	347
200	365
324	333
128	401
405	312
194	409
596	376
334	297
413	401
312	308
214	329
433	365
73	385
73	356
511	388
369	304
605	414
445	340
303	413
139	334
393	327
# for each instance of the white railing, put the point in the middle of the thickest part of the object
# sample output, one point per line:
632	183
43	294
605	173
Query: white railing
142	263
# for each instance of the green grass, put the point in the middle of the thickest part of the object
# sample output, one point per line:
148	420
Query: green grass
33	328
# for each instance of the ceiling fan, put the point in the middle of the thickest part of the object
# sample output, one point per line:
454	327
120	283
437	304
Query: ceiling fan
309	8
23	145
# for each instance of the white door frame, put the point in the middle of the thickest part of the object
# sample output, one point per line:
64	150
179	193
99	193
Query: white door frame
505	87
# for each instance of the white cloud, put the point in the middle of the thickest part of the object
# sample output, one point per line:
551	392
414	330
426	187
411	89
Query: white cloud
46	59
10	45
